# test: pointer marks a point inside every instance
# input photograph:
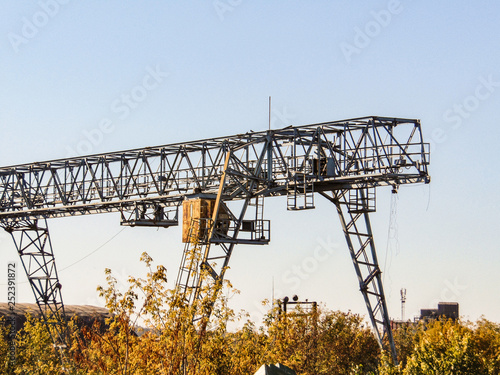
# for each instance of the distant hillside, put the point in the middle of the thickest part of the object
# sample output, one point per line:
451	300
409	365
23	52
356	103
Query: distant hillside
86	314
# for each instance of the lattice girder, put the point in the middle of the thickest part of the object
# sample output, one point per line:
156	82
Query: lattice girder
371	151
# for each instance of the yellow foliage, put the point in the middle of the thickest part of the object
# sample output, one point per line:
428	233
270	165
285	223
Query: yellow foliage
317	343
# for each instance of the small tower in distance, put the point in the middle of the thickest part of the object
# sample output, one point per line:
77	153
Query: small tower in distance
403	301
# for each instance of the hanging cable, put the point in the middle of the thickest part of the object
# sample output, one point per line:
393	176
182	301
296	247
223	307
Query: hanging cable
428	197
94	251
85	257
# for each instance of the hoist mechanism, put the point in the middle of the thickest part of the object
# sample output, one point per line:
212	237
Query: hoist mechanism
221	184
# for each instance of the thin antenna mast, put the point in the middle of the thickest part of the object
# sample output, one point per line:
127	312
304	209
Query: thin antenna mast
269	113
403	301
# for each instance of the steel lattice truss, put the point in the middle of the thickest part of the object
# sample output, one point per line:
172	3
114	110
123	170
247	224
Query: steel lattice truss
362	152
343	160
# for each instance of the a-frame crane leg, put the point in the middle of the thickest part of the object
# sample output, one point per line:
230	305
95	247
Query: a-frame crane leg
32	241
358	234
206	259
194	259
199	279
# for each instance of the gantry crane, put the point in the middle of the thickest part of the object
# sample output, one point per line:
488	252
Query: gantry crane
342	161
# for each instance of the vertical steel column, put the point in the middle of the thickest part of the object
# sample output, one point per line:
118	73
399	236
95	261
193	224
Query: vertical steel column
358	233
34	247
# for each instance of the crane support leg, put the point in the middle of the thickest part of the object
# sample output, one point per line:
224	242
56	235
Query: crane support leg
206	257
34	247
358	234
202	267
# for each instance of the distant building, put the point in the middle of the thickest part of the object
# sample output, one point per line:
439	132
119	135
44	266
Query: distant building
448	310
396	324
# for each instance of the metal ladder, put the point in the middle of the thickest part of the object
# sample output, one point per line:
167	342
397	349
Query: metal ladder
258	203
187	278
300	191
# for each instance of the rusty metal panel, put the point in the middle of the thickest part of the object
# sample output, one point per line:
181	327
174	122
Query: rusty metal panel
199	210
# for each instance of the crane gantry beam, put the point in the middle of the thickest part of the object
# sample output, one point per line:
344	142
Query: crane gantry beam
358	153
342	160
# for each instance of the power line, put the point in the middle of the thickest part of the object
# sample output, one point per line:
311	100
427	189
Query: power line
93	252
86	256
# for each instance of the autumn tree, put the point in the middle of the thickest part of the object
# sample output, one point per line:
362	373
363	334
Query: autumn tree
315	342
35	351
7	358
486	341
446	347
151	330
170	342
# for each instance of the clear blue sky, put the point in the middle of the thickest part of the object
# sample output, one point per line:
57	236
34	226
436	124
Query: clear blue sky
98	76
